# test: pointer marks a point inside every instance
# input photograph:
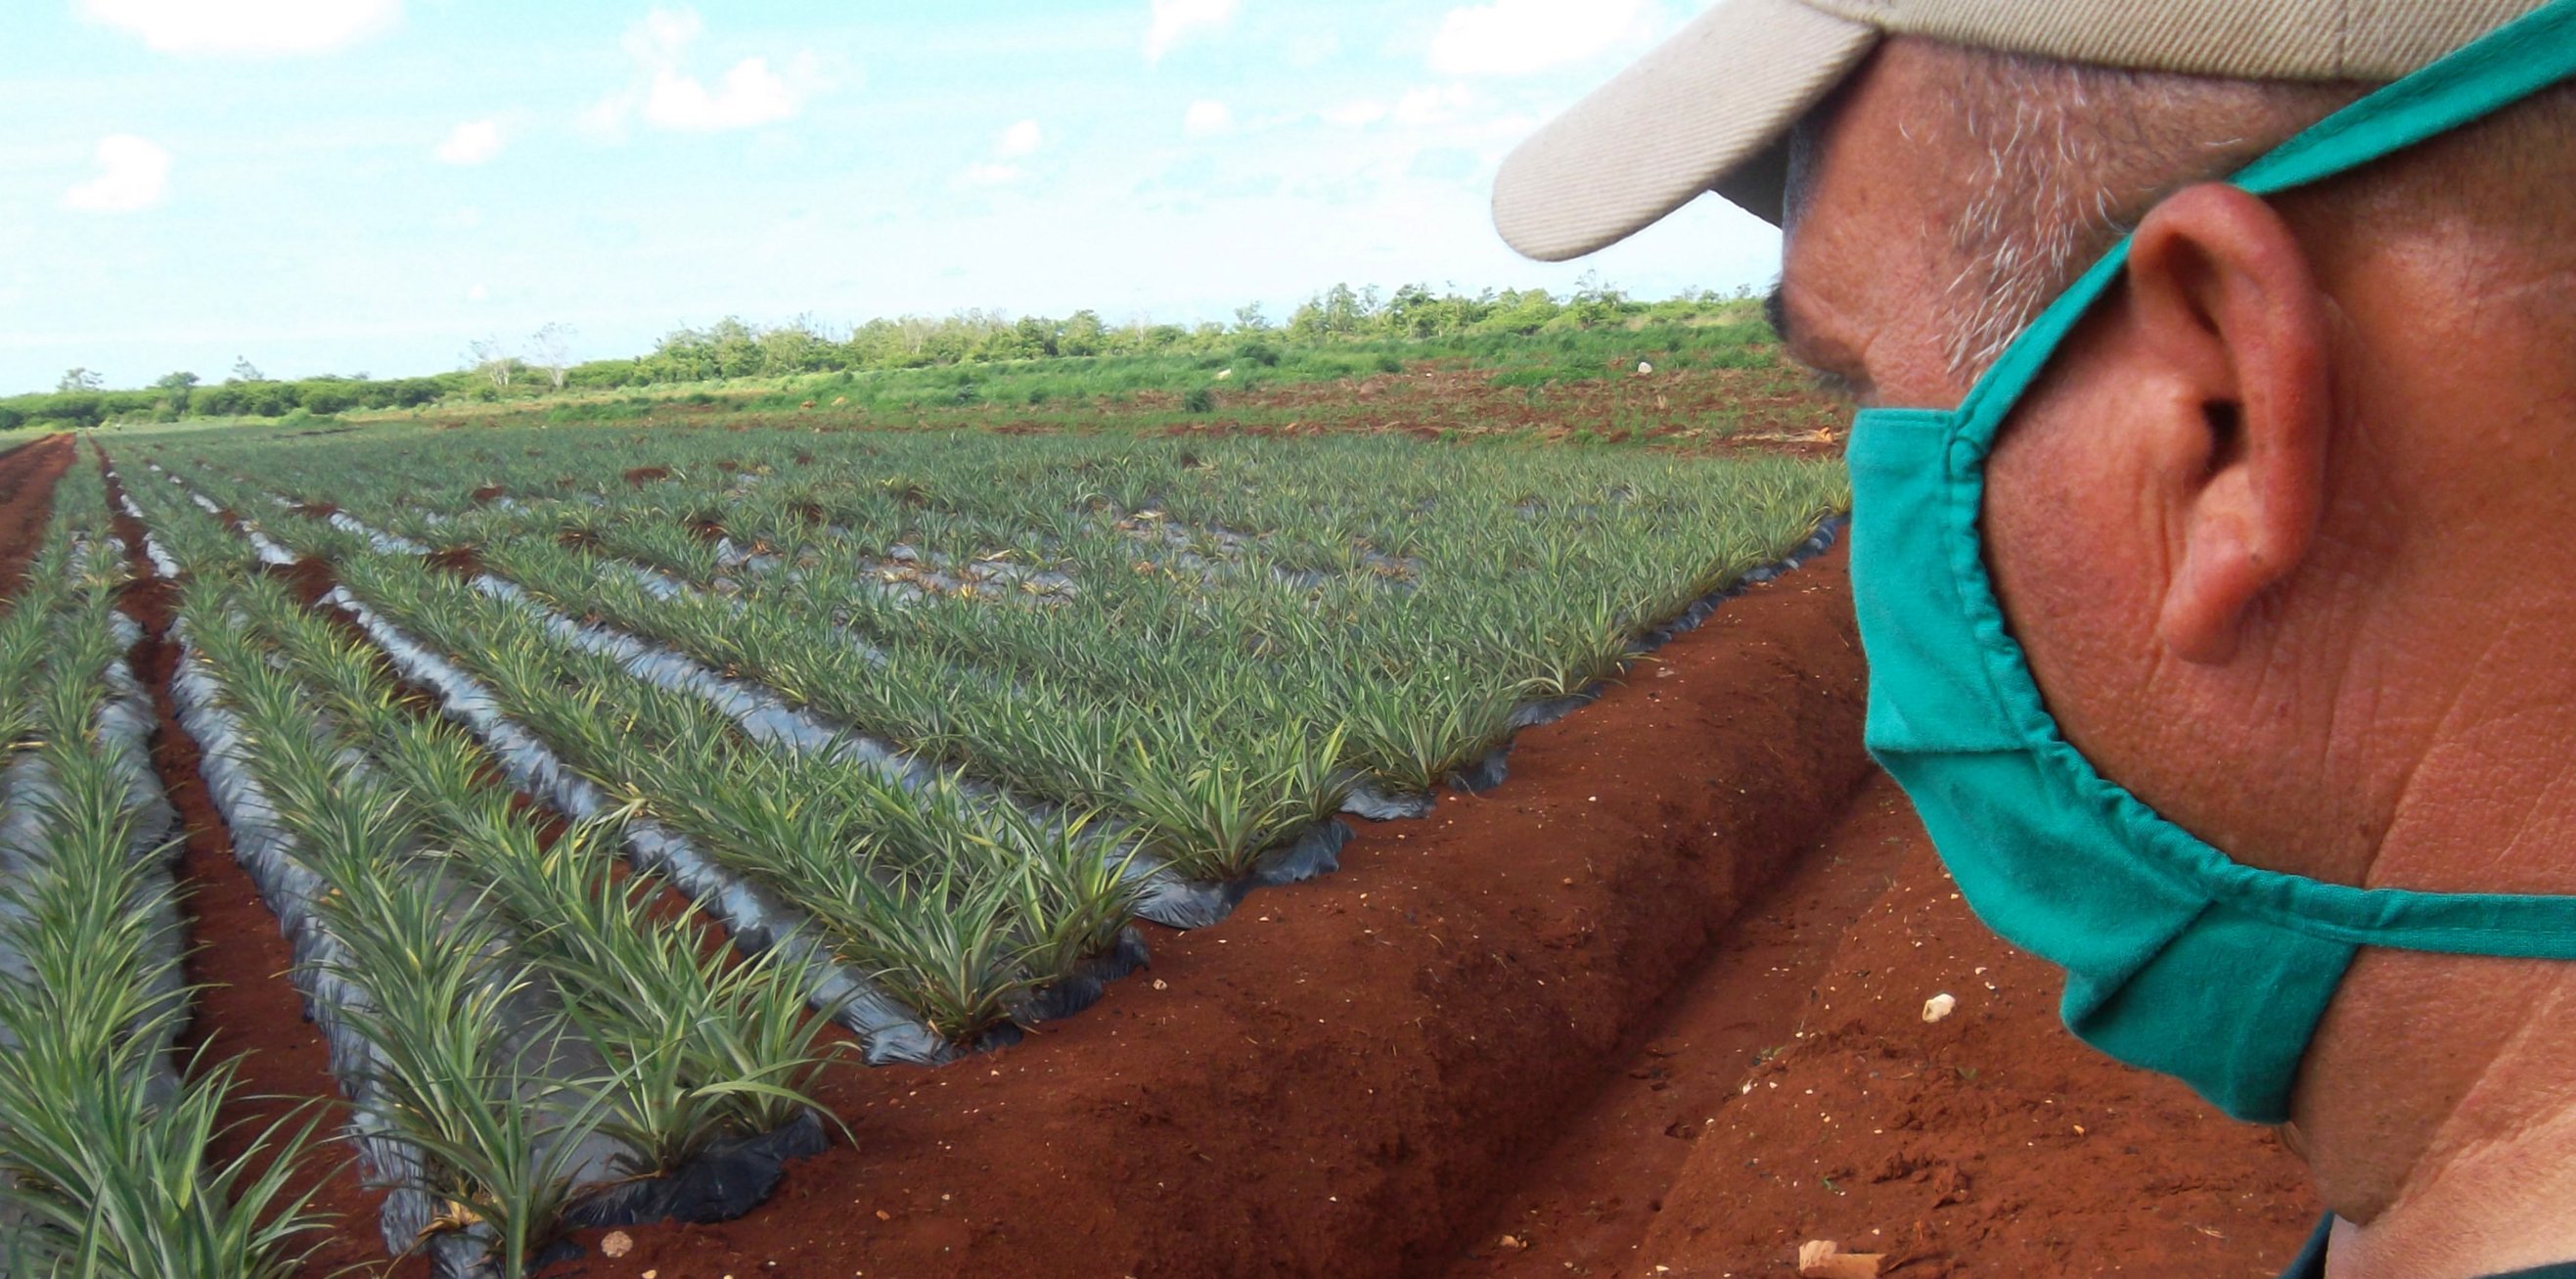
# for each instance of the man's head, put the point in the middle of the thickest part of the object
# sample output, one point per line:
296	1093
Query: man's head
2242	527
2272	387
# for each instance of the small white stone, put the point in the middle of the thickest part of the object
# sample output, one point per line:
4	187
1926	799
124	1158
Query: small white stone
1938	1007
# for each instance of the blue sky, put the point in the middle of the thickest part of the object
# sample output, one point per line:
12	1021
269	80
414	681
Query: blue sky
371	185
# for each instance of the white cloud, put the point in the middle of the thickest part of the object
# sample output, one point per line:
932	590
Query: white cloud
478	293
1175	20
133	174
473	142
1517	37
247	26
992	175
1020	139
1207	118
667	96
749	94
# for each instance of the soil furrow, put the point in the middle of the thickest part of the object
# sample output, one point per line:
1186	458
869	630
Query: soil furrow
1987	1142
1582	1204
1791	1090
28	474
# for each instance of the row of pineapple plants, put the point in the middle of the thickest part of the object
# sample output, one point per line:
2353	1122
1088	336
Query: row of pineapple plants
108	1133
969	909
526	1038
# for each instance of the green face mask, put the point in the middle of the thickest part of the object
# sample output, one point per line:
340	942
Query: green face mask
2177	959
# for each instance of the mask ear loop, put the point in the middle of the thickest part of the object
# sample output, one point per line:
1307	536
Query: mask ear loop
2514	62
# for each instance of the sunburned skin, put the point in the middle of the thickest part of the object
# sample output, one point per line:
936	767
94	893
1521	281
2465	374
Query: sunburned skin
2264	533
1861	259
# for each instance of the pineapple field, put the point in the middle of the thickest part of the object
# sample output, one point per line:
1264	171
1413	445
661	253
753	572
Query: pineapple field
608	801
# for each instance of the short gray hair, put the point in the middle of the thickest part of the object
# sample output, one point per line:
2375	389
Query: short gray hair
2075	154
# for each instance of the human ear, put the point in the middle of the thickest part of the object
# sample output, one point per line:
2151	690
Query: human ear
2233	329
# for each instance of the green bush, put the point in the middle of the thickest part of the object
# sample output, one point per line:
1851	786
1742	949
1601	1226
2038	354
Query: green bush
330	397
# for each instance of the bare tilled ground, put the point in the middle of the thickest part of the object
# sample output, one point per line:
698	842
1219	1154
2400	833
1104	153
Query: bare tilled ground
1793	1092
27	476
1731	408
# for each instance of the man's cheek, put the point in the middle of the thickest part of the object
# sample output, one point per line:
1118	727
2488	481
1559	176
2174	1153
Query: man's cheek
2073	551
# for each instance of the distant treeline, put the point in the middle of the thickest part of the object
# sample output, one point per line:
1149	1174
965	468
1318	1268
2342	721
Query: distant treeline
732	349
314	396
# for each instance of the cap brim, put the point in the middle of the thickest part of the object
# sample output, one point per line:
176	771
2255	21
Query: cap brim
1708	109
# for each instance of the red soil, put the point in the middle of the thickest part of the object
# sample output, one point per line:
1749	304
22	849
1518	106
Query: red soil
463	561
28	474
1708	408
1951	1147
308	580
643	475
238	960
1335	1081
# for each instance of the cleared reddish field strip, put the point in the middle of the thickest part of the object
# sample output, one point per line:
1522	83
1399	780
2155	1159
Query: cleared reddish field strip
1990	1143
28	474
1954	1146
237	958
1337	1081
1583	1202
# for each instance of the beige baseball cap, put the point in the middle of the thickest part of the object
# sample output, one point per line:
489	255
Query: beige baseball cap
1711	109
